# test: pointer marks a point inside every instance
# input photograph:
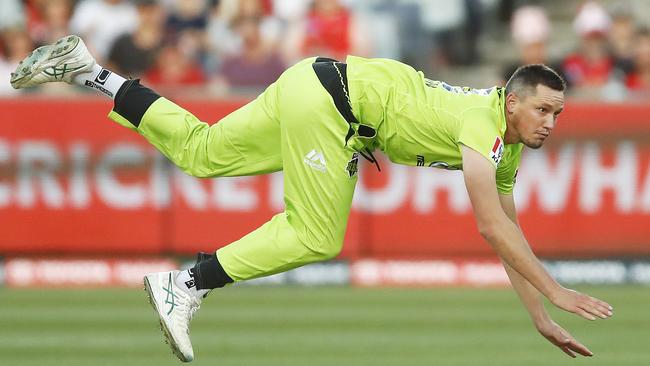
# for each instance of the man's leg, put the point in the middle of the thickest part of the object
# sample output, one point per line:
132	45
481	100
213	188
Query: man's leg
293	124
318	188
245	142
318	196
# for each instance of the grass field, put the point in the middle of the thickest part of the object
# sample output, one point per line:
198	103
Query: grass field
315	326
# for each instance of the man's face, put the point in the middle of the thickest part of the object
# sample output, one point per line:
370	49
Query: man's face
534	116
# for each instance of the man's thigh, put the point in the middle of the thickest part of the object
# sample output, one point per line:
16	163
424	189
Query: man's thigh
319	171
252	134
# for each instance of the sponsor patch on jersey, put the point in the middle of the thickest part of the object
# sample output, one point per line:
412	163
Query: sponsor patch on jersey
497	150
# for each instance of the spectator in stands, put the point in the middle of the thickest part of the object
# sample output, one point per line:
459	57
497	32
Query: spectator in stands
175	68
133	54
328	30
51	21
375	28
440	33
188	15
621	36
270	28
223	39
638	81
257	65
590	67
322	27
100	22
16	44
530	30
187	24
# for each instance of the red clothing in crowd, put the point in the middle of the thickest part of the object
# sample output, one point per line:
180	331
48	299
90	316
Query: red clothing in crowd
634	81
328	34
190	76
581	72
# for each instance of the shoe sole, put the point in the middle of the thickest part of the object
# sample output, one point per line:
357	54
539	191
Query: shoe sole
163	327
34	63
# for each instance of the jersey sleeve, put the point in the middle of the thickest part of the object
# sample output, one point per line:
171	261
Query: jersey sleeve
507	170
479	132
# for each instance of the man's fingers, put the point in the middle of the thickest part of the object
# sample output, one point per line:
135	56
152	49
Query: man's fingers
567	351
604	307
580	348
601	306
570	345
584	314
604	304
596	310
593	310
605	311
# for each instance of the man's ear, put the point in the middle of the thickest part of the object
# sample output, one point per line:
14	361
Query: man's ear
511	102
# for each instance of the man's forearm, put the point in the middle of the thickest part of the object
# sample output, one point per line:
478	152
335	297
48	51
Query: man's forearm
510	245
528	295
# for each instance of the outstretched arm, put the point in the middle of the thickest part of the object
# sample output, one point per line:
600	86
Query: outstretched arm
532	300
508	242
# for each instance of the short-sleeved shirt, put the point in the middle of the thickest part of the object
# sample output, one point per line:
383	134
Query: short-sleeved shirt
422	122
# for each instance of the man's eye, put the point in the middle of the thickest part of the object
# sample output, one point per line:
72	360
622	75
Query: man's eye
541	109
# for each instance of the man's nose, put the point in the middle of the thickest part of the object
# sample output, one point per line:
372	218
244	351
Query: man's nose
549	123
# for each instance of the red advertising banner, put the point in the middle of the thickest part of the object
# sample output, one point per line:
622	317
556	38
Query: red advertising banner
28	272
71	181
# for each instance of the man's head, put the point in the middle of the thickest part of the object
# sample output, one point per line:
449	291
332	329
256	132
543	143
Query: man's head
534	99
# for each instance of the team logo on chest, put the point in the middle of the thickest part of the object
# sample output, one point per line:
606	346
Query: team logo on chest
497	150
352	167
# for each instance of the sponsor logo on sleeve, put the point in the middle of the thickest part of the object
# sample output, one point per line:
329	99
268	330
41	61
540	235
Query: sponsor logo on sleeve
497	150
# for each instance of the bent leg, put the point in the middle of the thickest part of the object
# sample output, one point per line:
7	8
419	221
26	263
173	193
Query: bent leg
318	188
246	142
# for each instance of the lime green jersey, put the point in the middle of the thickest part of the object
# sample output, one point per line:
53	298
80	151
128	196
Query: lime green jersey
422	122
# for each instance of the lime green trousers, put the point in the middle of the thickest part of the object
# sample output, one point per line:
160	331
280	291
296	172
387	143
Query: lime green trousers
292	126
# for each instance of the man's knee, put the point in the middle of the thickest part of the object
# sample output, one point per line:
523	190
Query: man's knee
324	247
332	251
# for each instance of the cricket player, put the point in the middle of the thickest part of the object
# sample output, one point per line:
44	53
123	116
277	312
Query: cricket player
314	123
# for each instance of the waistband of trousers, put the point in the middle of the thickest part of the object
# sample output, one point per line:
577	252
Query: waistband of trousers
333	75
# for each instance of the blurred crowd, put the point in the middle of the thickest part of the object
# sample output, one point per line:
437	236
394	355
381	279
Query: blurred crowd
215	47
611	58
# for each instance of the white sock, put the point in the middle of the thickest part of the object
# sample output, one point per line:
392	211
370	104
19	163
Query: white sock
101	79
185	280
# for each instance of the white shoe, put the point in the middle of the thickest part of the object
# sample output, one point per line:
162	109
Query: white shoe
59	61
175	308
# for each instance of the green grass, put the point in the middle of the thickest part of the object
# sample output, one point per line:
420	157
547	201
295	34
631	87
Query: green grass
315	326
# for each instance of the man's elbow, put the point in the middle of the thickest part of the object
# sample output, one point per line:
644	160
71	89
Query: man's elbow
489	231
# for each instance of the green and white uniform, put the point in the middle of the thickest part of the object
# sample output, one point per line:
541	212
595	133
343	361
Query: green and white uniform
295	126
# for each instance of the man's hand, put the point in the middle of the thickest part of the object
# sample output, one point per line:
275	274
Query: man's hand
580	304
562	339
